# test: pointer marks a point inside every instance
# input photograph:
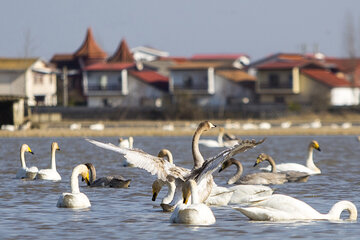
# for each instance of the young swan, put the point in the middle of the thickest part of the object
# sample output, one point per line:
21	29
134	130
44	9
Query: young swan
25	172
310	167
108	181
75	199
51	173
280	207
194	214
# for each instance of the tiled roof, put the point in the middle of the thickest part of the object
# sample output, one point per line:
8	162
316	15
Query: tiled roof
344	65
89	48
122	54
326	77
116	66
16	64
190	65
152	78
217	56
236	75
62	57
275	65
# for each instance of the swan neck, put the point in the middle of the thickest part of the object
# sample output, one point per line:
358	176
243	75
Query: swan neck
74	180
194	193
220	138
310	161
22	158
239	171
131	142
53	162
198	158
272	164
92	174
339	207
171	192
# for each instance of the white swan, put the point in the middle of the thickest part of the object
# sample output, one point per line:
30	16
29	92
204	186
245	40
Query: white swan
202	170
108	181
280	207
310	167
223	140
25	172
51	173
75	199
126	143
219	196
196	213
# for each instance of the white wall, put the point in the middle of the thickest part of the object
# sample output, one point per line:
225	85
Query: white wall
345	96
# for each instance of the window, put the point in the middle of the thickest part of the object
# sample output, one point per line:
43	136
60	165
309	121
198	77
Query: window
290	81
103	82
274	81
38	78
188	82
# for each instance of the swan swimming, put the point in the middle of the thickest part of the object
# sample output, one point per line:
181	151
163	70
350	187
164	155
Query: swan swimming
223	140
310	167
196	213
75	199
202	170
126	143
51	173
25	172
108	181
280	207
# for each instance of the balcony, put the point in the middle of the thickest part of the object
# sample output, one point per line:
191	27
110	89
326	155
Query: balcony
108	90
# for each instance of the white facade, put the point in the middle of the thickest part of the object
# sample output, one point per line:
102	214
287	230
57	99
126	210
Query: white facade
345	96
37	82
208	88
128	92
147	54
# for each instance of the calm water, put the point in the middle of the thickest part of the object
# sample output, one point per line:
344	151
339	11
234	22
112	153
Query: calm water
28	208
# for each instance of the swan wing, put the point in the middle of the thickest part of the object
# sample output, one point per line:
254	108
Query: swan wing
211	164
140	159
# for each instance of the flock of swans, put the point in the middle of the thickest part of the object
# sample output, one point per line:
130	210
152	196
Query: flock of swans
192	191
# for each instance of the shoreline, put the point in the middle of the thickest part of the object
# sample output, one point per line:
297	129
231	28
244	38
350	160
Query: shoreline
178	131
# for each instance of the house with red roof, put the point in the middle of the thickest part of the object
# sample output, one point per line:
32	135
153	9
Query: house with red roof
122	82
71	86
212	84
303	79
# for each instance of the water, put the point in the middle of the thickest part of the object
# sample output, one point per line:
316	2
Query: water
28	208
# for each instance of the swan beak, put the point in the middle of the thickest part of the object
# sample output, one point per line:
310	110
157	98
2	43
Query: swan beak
220	170
318	149
154	196
186	196
58	149
86	178
29	150
257	162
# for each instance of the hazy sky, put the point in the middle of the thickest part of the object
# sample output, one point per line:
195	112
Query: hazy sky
183	28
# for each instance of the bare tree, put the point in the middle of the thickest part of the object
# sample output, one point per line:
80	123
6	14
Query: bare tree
29	46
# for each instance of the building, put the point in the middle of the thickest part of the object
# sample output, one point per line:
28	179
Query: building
122	82
24	82
72	66
303	80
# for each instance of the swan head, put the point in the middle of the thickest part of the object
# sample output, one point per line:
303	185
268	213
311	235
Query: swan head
26	148
55	146
120	139
92	174
166	153
206	125
186	190
85	176
156	187
314	144
261	158
226	164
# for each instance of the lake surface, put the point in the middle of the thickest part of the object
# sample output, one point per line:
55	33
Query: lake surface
28	208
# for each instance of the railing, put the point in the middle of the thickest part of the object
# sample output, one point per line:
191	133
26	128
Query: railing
106	88
279	86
